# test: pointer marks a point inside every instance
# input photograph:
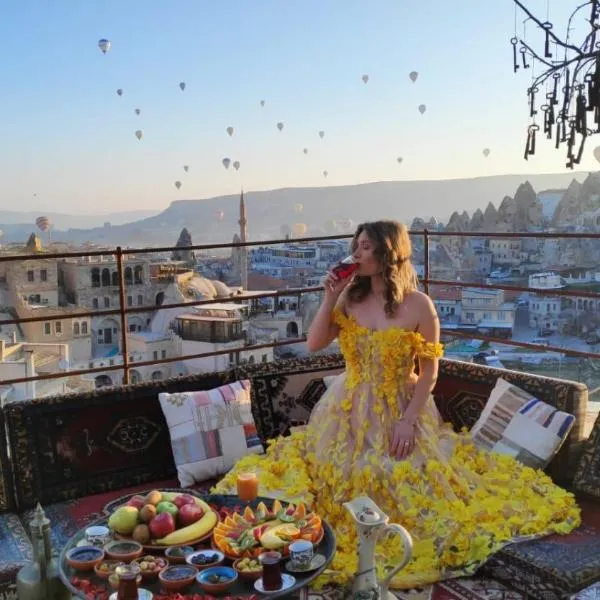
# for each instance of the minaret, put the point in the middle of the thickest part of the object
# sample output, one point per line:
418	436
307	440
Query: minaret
243	238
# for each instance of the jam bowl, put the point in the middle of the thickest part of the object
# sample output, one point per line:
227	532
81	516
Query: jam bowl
177	577
84	558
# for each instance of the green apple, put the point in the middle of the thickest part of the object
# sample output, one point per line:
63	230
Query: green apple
167	507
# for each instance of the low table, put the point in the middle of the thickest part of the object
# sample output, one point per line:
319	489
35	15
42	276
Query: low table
240	588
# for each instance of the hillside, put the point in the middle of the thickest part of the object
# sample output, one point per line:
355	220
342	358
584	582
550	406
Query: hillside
269	210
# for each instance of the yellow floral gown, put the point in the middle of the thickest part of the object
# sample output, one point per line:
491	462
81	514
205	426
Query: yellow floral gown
459	503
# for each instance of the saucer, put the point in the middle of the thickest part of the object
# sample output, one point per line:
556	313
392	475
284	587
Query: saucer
316	563
288	582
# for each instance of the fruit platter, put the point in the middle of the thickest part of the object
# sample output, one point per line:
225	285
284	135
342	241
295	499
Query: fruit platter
162	519
221	545
248	533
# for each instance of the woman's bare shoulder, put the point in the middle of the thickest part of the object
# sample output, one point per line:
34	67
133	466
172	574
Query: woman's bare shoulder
420	301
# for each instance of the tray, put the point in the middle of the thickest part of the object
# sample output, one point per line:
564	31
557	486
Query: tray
240	588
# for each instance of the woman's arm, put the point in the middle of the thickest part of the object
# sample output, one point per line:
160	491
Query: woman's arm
323	330
429	328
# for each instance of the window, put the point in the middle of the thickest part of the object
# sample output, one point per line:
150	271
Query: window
95	277
84	328
163	354
29	275
58	327
140	300
44	275
155	354
105	277
128	276
75	328
115	278
265	358
94	302
106	302
47	329
129	300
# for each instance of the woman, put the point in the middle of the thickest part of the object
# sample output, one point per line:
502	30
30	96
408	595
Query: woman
377	432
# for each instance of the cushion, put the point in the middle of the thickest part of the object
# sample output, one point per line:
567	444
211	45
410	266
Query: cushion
516	423
73	445
587	474
285	392
462	390
553	567
210	430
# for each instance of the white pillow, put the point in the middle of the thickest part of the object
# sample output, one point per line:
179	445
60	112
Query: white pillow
210	430
516	423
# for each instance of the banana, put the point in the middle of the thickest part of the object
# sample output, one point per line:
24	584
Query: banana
192	532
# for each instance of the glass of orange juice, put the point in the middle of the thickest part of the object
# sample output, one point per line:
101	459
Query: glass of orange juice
247	486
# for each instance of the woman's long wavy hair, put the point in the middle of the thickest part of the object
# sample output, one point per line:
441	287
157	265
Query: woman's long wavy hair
392	247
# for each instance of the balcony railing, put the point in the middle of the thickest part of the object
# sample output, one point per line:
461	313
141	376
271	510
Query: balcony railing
427	281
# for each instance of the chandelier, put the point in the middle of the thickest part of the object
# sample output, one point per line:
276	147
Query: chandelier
564	95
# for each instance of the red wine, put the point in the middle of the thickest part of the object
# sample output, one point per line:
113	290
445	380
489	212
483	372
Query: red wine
345	268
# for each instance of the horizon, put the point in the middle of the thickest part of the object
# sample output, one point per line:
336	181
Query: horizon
69	139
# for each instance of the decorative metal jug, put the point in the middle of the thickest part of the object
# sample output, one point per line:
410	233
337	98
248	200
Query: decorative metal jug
371	522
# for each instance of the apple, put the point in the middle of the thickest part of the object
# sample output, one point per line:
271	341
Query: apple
137	501
162	525
189	513
167	507
183	499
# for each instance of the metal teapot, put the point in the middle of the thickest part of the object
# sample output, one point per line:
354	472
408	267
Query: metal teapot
371	522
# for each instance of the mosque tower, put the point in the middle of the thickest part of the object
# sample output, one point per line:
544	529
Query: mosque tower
243	222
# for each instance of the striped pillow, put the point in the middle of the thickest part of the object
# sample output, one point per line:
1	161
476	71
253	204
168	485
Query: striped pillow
516	423
210	430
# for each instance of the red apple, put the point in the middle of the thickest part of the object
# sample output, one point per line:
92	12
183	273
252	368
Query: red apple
162	525
189	513
137	501
183	499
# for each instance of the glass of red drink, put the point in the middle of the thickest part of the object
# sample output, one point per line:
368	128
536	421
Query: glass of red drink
346	267
271	576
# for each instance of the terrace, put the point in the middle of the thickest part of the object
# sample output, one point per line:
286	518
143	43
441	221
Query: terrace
460	394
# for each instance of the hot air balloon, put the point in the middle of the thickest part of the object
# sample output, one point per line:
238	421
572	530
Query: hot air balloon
298	208
399	159
365	78
119	92
178	184
220	214
230	131
139	134
42	223
345	223
280	126
321	134
486	152
299	229
186	168
137	111
236	165
226	162
182	85
325	173
262	102
413	76
305	150
104	45
422	108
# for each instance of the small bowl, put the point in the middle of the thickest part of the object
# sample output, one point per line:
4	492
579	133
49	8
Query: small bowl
84	558
177	554
148	575
203	579
103	573
220	557
123	550
247	575
113	581
177	577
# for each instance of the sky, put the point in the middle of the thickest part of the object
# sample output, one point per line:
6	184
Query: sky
67	140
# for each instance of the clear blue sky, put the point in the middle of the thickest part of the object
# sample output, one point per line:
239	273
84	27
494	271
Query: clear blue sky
67	136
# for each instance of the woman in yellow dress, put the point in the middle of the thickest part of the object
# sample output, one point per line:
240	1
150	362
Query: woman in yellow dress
377	432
